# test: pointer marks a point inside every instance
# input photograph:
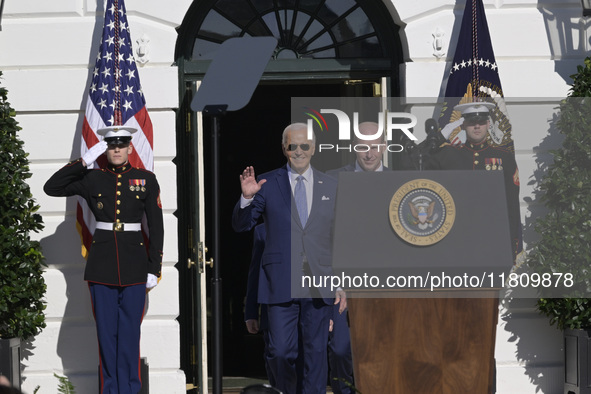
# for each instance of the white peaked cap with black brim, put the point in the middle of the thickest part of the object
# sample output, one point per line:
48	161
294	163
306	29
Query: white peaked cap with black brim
117	133
474	109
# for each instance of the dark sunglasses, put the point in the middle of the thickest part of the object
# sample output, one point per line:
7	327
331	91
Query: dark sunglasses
481	120
304	147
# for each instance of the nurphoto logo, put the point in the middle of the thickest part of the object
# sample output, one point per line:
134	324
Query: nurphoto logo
394	121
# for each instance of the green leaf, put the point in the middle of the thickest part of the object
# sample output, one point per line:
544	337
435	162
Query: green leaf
22	288
64	385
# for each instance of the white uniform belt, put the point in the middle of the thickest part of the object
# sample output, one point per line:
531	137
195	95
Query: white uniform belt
119	226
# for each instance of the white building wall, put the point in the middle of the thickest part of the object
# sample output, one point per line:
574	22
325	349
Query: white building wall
46	49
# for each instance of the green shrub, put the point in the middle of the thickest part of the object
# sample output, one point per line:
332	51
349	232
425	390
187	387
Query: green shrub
21	263
565	231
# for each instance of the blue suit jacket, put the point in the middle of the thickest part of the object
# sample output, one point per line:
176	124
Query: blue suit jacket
251	305
288	245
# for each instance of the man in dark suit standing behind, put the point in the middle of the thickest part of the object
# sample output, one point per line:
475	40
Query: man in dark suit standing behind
297	204
251	304
339	339
369	153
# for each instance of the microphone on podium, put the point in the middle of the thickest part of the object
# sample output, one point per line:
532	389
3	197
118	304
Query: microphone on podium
431	126
434	138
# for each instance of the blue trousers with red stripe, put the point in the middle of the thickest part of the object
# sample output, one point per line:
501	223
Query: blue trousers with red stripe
118	312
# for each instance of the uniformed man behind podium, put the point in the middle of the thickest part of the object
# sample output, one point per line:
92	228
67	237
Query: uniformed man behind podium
120	269
479	154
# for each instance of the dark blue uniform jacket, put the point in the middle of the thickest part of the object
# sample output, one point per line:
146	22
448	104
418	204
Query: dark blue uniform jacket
116	194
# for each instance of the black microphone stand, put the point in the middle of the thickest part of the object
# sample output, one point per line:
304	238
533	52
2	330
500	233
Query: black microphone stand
431	143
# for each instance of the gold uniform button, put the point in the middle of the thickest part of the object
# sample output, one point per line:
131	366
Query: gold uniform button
118	183
118	212
100	194
118	220
475	161
118	202
119	176
476	154
123	168
118	192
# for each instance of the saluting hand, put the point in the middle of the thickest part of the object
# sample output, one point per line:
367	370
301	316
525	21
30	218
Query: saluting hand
93	153
249	184
447	130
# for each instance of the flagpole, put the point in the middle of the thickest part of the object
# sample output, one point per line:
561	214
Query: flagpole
215	111
256	51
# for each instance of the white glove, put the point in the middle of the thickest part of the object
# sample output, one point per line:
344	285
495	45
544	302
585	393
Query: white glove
93	153
446	131
152	281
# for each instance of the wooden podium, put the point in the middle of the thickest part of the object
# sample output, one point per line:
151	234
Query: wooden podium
424	345
419	340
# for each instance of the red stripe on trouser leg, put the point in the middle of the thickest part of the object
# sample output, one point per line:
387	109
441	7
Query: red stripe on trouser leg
118	315
130	319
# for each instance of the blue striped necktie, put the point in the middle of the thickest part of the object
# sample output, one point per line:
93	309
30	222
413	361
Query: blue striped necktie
301	200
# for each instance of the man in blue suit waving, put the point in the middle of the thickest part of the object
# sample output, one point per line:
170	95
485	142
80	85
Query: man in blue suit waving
297	205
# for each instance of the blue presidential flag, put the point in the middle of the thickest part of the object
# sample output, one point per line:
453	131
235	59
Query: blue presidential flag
474	76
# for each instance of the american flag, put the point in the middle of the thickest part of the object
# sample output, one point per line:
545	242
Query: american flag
115	97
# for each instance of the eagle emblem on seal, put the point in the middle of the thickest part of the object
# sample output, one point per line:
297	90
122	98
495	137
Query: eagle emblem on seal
422	210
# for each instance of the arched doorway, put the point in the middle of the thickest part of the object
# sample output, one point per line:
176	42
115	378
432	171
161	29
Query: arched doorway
325	48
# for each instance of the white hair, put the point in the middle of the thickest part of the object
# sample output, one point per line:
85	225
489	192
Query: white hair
294	127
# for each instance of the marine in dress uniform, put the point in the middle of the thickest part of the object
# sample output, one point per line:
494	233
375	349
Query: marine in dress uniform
478	154
120	268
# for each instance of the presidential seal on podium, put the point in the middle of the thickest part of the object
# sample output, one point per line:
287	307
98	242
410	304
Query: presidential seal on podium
422	212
